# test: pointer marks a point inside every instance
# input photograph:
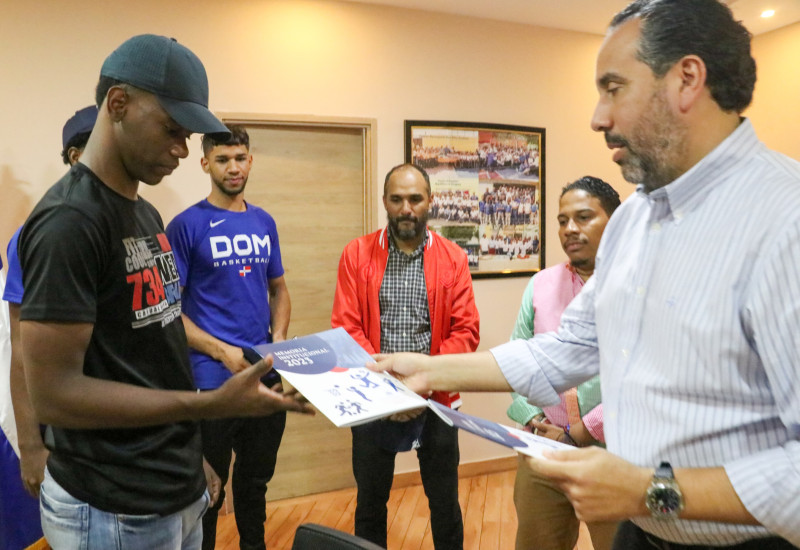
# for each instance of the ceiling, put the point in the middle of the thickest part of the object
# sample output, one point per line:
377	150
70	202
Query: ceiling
588	15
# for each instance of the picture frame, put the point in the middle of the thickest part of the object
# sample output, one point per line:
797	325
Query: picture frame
487	191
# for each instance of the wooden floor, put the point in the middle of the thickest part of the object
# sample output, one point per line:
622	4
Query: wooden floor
490	521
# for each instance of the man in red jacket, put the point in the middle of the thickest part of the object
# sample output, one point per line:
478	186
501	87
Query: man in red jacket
404	288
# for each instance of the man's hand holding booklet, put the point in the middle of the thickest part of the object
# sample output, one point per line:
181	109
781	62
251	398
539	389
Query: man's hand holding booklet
328	368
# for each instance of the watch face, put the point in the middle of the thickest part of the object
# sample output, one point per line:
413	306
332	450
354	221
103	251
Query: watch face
664	500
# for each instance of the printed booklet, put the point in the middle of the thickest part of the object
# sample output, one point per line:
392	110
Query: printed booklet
327	368
519	440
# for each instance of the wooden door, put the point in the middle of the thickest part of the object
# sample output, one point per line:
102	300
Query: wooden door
315	177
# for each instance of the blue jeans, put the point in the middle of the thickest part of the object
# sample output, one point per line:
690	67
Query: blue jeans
71	524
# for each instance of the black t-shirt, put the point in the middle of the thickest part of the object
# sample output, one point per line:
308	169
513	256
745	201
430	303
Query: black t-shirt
90	255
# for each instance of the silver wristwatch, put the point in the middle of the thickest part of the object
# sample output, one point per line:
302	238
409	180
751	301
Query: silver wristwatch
664	498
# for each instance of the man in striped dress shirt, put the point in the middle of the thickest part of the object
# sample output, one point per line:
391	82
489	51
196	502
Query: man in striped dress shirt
693	314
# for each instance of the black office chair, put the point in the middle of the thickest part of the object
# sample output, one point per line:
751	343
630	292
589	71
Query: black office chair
310	536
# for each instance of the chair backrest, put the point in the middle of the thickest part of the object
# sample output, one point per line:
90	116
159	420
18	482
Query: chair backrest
310	536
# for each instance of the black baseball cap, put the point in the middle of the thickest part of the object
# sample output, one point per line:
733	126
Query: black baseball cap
81	122
172	73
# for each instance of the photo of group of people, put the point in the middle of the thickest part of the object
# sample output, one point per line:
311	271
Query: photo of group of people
486	190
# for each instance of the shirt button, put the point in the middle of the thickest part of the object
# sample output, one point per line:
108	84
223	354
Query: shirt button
625	352
656	227
640	290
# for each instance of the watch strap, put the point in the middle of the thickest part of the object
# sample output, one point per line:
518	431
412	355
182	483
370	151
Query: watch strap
664	471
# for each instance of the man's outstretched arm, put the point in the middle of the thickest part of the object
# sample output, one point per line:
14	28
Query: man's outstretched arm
454	372
53	355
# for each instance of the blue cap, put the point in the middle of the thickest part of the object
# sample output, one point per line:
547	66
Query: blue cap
175	75
82	121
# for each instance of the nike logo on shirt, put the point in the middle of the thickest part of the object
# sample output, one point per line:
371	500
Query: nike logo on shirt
216	223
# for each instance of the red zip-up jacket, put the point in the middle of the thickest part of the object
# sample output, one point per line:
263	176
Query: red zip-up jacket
451	303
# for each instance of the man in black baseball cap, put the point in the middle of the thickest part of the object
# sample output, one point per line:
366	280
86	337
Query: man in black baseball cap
105	350
172	73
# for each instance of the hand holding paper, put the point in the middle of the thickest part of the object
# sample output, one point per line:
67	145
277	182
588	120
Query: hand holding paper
328	368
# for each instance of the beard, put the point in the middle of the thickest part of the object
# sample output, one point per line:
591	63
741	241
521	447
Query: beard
585	264
229	192
656	142
408	234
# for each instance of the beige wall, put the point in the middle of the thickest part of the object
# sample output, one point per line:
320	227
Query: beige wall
337	59
776	103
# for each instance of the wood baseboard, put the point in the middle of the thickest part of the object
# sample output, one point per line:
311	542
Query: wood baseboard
469	469
408	479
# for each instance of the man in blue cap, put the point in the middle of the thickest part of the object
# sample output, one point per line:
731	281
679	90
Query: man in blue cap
20	511
76	132
104	348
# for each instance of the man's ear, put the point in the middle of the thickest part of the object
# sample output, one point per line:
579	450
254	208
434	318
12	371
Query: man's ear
204	164
691	73
73	155
116	103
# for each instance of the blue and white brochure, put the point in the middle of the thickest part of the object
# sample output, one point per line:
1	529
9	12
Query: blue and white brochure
328	369
519	440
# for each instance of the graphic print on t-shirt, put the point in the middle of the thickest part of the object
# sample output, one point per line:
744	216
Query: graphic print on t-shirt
151	270
240	249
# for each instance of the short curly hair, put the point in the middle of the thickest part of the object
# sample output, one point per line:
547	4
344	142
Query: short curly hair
608	197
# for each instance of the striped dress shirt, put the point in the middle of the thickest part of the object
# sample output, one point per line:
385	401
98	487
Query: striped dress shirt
692	319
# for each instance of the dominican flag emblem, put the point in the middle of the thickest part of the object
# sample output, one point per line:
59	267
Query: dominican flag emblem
244	271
